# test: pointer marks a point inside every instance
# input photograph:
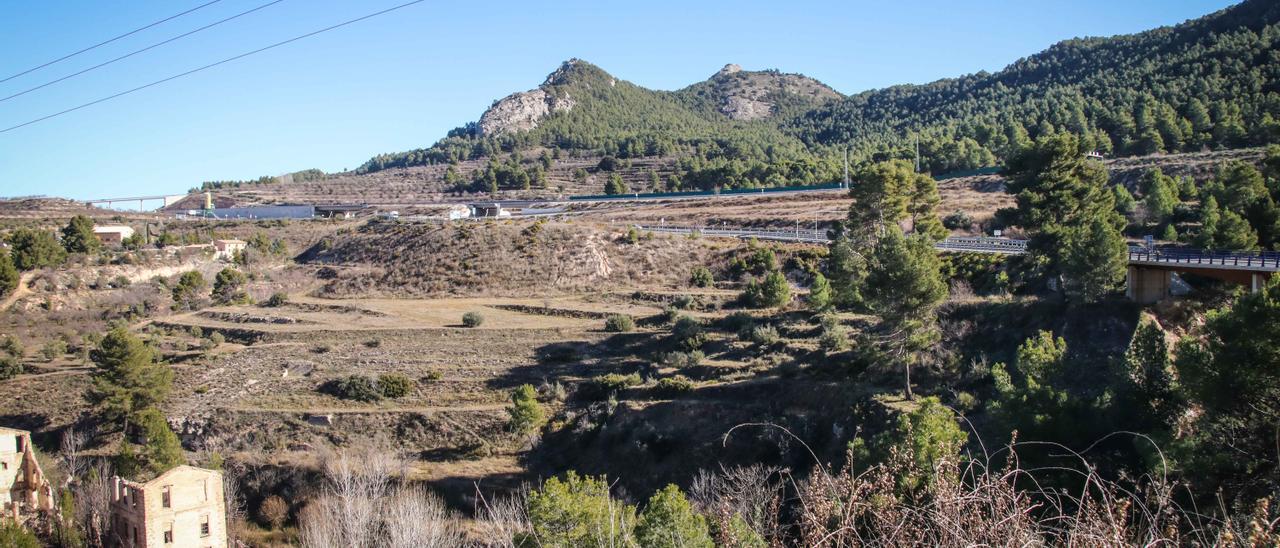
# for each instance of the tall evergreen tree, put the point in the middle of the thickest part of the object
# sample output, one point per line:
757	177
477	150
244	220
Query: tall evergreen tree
904	287
78	236
32	249
9	276
1095	260
128	378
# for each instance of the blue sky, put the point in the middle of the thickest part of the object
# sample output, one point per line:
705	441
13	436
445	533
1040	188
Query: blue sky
400	81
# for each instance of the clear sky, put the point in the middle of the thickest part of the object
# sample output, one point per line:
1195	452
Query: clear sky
400	81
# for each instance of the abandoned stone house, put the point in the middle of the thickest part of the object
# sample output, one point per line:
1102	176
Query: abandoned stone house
183	507
24	489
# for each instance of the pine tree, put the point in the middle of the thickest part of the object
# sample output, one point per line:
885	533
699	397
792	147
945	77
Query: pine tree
1234	233
1161	196
1095	260
846	271
775	292
162	451
78	236
820	294
526	415
615	185
9	276
669	521
1149	368
128	379
904	287
228	287
1210	215
32	249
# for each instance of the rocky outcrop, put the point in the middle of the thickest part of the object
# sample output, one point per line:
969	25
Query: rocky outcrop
522	111
752	95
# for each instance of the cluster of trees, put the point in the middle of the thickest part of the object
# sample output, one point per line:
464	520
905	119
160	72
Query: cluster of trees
229	287
303	176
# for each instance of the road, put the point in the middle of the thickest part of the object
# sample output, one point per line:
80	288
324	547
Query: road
1002	246
1253	261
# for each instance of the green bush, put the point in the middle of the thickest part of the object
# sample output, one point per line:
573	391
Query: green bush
472	319
53	349
615	382
577	511
669	521
526	414
10	367
276	299
835	336
701	277
619	323
673	386
682	360
355	387
765	335
216	339
688	333
395	385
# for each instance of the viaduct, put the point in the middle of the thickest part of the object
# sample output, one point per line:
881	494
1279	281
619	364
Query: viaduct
1150	273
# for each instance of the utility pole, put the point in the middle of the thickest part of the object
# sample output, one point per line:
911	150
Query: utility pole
846	167
917	153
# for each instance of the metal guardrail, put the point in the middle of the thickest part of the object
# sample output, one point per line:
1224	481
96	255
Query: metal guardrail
1262	260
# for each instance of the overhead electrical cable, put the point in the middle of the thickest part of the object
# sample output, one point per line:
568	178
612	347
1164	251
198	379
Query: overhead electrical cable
103	43
135	52
211	65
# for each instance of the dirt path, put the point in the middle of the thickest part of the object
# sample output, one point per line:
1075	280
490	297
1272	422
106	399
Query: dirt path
21	291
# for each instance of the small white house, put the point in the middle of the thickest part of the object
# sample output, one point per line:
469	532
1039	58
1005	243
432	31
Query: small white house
112	234
227	249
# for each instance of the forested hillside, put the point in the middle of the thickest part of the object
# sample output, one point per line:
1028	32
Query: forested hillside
1213	82
1210	82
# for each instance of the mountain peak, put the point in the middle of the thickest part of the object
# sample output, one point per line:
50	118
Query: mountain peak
729	69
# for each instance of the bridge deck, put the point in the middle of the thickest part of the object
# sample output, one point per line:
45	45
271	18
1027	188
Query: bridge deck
1173	259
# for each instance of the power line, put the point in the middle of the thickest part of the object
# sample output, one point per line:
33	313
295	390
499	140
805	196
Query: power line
131	54
99	44
211	65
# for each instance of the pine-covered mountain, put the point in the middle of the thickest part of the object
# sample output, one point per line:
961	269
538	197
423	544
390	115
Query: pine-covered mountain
1208	83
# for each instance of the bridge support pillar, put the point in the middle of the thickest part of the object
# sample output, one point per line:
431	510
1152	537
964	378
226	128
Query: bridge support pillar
1147	285
1256	282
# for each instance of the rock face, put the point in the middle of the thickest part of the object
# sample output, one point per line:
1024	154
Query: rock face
523	111
752	95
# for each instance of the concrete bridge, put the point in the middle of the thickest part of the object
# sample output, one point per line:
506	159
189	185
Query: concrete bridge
165	201
1150	273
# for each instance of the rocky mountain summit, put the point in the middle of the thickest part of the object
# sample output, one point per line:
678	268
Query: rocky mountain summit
732	92
752	95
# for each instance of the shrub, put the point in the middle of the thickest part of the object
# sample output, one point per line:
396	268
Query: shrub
432	376
373	343
355	387
633	235
472	319
682	360
701	277
684	302
10	367
577	511
619	323
322	348
740	323
395	385
673	386
274	510
688	333
526	414
669	521
121	281
216	339
765	335
958	220
229	287
614	382
53	349
668	315
276	299
188	292
835	337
